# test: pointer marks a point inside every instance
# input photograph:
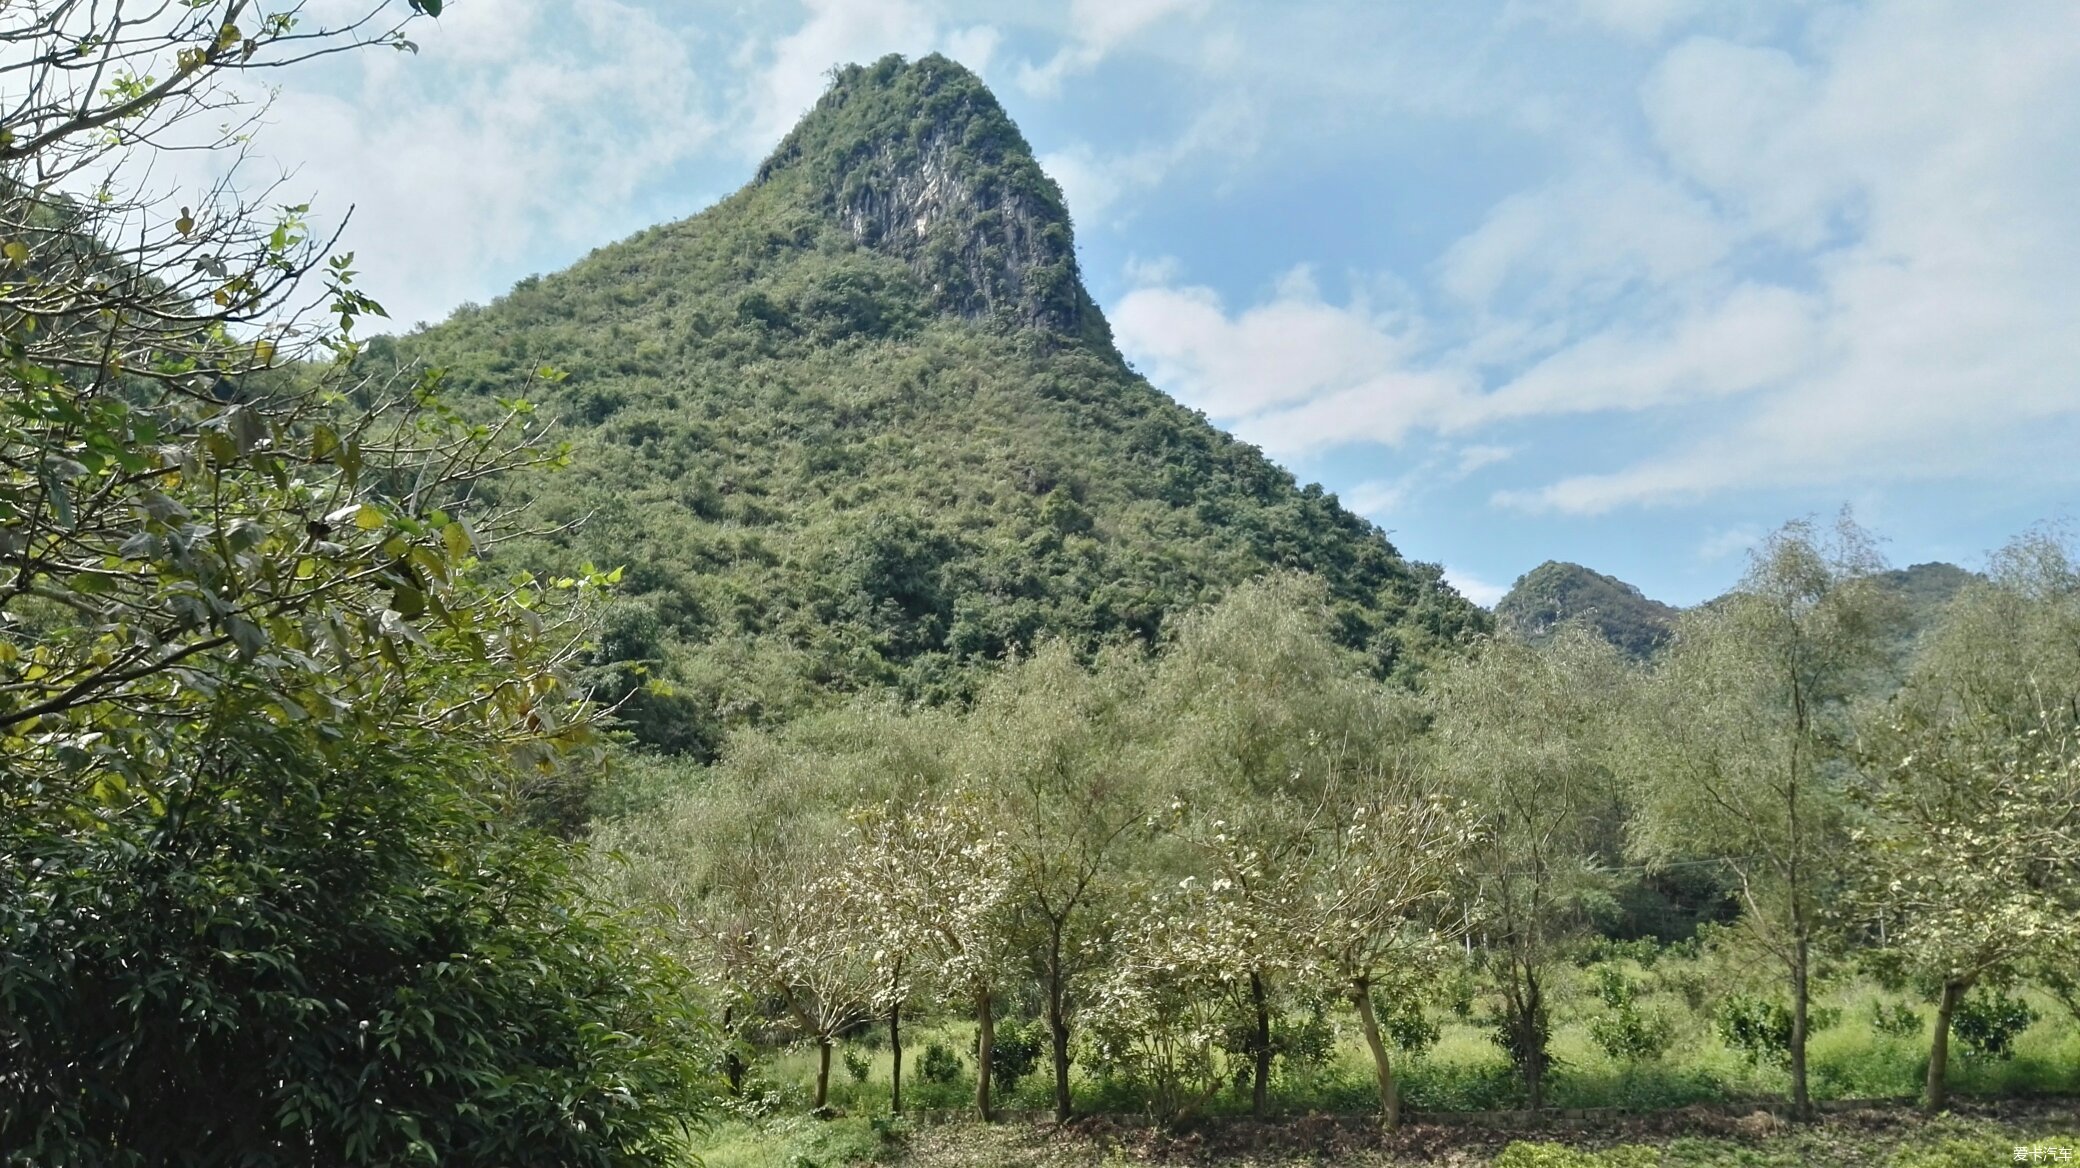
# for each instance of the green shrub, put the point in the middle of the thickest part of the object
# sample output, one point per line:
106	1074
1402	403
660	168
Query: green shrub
1760	1028
1408	1027
1442	1086
1014	1051
1303	1041
326	952
1988	1020
938	1064
1895	1021
857	1065
1627	1032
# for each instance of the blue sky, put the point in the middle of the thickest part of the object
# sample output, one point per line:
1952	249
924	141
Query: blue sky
1626	282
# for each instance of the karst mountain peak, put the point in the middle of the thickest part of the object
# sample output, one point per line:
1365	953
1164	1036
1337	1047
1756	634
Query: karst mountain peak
918	160
858	427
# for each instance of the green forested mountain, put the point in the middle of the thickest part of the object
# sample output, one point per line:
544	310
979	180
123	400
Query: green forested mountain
1555	593
859	425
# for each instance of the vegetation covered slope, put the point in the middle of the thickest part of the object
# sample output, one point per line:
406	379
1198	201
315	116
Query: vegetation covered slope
1555	593
859	425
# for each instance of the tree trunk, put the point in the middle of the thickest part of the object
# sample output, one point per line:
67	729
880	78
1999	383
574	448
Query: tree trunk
823	1070
985	1047
1389	1090
1260	1074
1801	994
1937	1094
1532	1033
895	1059
732	1063
1058	1026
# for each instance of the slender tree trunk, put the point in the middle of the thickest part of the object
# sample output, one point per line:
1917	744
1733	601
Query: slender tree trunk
985	1047
1058	1024
1260	1042
1532	1034
1383	1069
895	1059
1937	1094
823	1070
732	1063
1801	994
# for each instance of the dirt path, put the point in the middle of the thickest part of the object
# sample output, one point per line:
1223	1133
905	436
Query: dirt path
1891	1138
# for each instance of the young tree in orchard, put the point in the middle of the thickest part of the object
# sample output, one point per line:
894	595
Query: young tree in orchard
789	938
937	876
1520	732
1258	708
1367	904
1183	960
750	866
1971	856
1741	746
264	895
1057	750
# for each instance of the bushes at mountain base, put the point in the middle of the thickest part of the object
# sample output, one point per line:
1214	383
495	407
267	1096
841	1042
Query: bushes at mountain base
299	952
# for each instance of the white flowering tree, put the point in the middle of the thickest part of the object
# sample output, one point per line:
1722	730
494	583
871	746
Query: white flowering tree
932	879
784	936
1368	902
1054	747
1183	960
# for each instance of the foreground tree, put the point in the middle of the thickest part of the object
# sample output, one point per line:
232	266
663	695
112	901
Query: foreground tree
1056	747
1972	860
1741	741
1258	711
266	724
1520	732
1368	906
938	874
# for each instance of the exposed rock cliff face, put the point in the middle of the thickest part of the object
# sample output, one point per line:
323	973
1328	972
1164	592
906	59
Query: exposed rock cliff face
917	160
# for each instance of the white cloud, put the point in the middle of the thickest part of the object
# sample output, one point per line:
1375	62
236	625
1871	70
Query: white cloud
1756	337
1095	181
1374	498
1474	588
1476	458
516	123
1849	266
1611	224
1925	168
792	72
1097	28
1729	541
1295	373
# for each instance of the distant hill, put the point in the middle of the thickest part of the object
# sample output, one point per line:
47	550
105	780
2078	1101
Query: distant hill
859	426
1923	591
1555	593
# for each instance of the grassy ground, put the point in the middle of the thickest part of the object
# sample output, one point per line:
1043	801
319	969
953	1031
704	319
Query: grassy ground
1887	1139
1465	1071
1324	1106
